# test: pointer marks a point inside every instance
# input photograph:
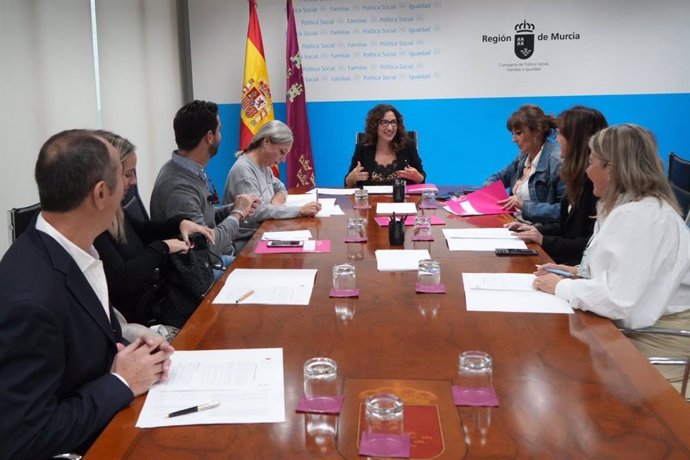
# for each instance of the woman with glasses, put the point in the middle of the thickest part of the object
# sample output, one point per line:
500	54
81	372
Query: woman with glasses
636	268
533	177
566	239
385	152
252	173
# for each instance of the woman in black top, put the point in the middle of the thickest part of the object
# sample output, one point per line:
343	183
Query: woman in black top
385	152
135	253
565	240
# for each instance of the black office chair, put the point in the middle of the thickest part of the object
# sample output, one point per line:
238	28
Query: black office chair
679	177
20	219
666	361
410	134
133	205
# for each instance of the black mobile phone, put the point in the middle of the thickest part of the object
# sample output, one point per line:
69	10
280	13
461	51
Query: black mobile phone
506	252
285	244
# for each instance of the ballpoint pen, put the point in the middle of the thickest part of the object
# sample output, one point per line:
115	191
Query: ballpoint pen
558	272
244	296
191	410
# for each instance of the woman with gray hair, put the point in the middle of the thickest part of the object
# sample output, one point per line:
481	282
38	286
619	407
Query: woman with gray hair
636	267
252	173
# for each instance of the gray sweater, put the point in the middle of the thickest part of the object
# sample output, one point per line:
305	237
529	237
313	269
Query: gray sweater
178	191
247	177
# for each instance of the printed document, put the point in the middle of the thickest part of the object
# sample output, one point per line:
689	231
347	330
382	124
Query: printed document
248	384
267	287
398	208
481	239
509	292
399	260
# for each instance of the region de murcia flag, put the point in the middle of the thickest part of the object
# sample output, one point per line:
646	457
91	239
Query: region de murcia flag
300	167
257	104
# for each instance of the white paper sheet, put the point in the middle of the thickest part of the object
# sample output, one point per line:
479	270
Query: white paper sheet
247	383
336	191
481	239
379	189
398	208
299	199
300	235
509	292
399	260
269	286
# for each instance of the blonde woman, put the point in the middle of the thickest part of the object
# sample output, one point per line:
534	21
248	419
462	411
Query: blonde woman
636	268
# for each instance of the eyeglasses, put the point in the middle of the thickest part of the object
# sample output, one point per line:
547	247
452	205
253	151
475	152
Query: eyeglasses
387	123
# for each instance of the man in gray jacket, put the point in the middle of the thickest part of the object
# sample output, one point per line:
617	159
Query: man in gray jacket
182	187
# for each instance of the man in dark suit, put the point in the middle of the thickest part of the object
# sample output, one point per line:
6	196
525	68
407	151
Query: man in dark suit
64	372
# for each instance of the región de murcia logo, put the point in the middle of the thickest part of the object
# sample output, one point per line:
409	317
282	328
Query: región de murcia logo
524	40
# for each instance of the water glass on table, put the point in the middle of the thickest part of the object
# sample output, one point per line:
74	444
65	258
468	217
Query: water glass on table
428	273
421	229
428	199
475	374
320	378
344	277
384	414
361	198
356	229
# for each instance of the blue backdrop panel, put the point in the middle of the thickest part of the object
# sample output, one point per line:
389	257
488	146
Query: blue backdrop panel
460	140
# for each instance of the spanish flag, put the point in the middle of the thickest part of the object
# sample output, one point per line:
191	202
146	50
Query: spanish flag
257	104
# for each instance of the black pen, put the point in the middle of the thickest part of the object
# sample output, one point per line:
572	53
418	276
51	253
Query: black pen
191	410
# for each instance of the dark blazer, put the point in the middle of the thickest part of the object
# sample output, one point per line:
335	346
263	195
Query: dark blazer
566	240
365	155
129	266
56	351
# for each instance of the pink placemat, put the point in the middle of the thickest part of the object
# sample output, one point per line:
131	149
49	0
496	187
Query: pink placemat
427	289
481	397
417	189
409	221
344	293
321	246
320	404
384	445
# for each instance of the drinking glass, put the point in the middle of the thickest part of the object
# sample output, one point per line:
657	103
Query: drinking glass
344	277
384	414
428	199
429	272
475	370
356	228
361	198
422	227
320	378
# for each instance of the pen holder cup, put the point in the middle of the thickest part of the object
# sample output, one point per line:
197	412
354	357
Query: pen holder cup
399	190
396	232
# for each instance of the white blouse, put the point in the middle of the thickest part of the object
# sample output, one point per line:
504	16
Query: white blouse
639	266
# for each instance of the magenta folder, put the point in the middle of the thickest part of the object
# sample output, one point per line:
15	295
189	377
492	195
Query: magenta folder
484	201
321	246
417	189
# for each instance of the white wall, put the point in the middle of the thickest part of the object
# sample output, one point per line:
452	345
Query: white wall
47	83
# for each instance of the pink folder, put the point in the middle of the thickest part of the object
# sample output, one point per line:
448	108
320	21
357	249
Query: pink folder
484	201
417	189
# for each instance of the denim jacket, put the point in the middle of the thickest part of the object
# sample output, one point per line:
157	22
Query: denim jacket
545	186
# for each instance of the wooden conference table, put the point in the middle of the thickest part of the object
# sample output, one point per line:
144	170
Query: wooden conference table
570	386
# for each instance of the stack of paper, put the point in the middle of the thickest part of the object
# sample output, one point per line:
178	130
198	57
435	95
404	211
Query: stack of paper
248	384
509	292
400	260
481	239
379	189
397	208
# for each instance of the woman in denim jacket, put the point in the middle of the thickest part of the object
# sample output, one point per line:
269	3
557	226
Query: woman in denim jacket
534	176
